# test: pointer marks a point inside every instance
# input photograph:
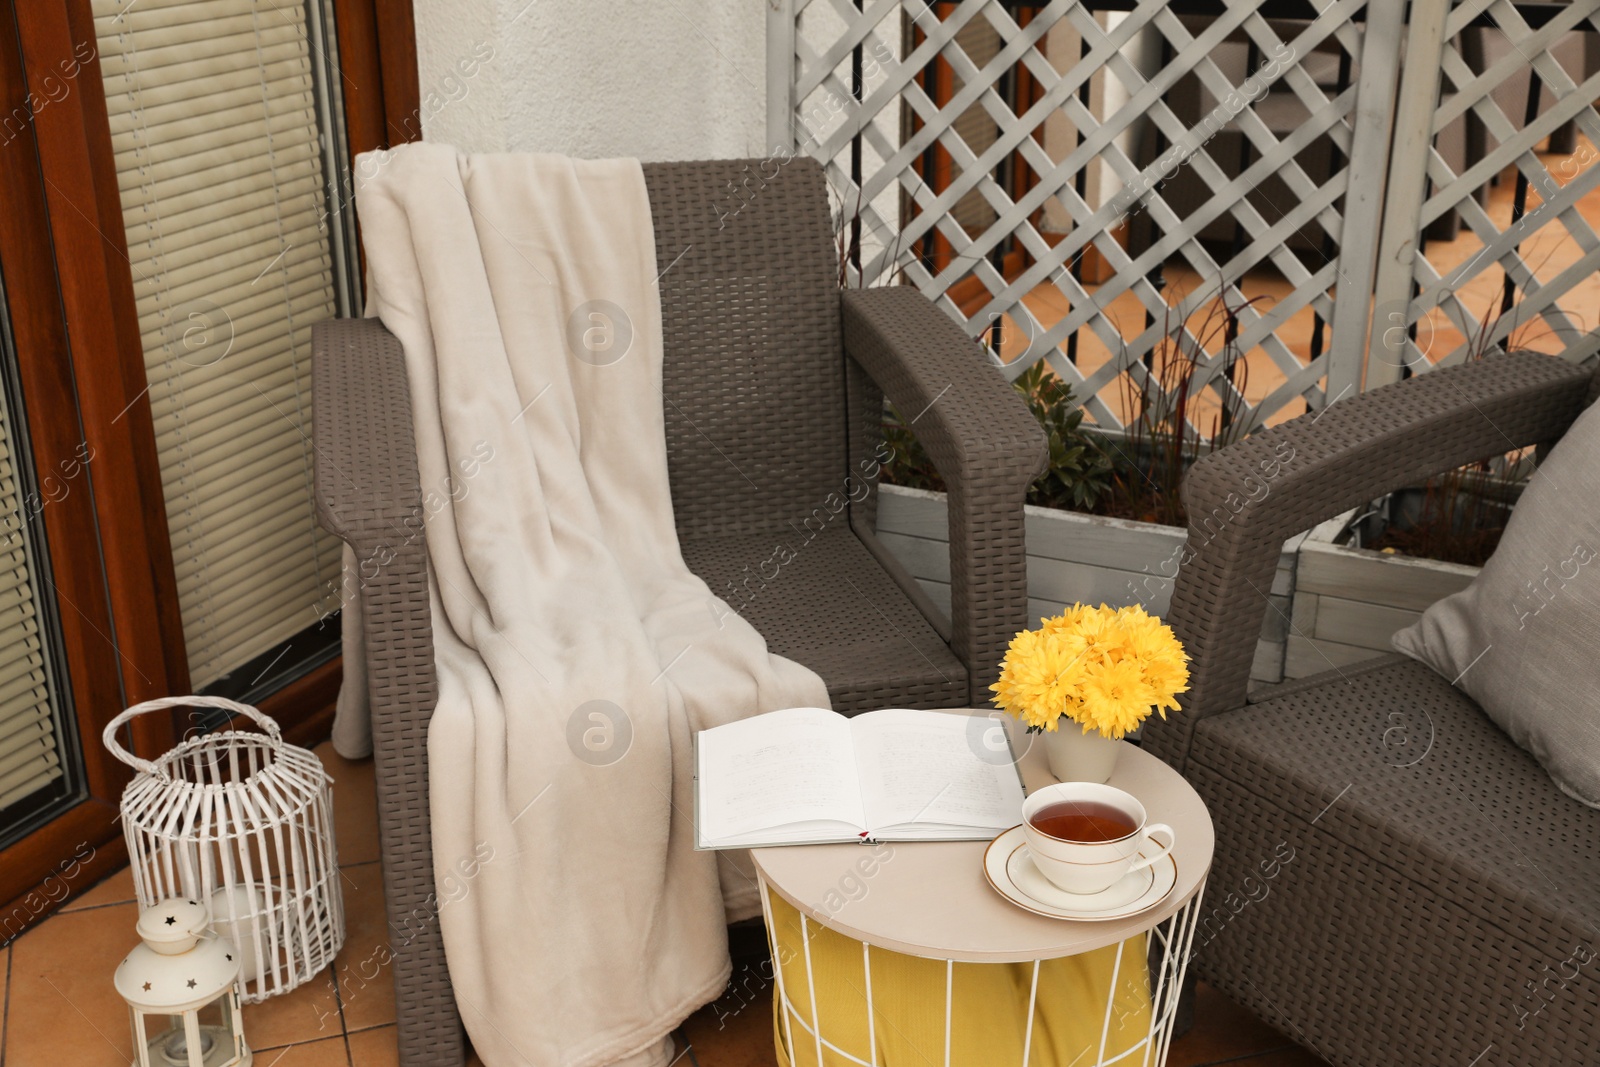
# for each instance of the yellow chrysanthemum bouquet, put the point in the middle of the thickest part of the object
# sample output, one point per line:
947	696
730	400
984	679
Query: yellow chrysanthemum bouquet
1103	668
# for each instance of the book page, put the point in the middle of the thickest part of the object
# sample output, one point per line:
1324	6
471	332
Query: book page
924	767
781	768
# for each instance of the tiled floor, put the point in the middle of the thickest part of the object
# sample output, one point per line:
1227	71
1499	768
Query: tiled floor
60	1009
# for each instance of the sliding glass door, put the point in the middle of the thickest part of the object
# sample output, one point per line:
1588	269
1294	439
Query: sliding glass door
40	767
174	219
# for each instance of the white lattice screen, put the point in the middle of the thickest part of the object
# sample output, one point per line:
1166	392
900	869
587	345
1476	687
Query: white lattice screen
1521	272
1098	180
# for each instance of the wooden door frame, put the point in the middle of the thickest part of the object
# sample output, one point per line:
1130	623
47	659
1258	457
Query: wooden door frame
66	419
83	212
378	58
80	354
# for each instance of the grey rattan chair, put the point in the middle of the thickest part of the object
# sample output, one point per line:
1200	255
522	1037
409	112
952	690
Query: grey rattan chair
1441	899
773	386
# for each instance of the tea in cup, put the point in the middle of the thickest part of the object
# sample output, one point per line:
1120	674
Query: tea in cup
1086	837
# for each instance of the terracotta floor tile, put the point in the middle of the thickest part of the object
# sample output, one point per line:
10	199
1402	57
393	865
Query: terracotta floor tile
114	889
308	1014
355	805
366	982
733	1032
374	1048
62	1007
1222	1030
328	1052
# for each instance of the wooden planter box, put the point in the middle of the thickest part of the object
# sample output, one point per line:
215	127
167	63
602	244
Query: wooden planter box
1348	601
1072	558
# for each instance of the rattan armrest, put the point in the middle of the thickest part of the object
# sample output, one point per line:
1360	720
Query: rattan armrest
366	479
984	442
1244	500
367	492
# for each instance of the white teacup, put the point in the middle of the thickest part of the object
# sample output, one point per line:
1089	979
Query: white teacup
1097	864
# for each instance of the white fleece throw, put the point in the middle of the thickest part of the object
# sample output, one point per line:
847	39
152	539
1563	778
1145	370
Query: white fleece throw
576	653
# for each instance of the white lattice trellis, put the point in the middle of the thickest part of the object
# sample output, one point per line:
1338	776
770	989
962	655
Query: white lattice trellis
1504	290
851	85
1108	142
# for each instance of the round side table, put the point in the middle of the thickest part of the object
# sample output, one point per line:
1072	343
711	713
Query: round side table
931	900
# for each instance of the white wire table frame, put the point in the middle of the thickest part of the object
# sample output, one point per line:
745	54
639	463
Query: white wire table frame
1172	939
930	901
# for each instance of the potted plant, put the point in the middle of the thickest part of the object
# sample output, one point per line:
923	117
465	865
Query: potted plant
1372	571
1088	677
1105	523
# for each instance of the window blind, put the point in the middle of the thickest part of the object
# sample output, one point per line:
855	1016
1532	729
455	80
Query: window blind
30	738
217	130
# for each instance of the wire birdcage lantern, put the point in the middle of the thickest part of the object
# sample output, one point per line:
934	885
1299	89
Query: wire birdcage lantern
242	821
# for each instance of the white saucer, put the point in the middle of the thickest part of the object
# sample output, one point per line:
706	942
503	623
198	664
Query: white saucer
1009	868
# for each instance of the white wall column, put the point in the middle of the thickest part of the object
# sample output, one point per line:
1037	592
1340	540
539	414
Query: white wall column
660	80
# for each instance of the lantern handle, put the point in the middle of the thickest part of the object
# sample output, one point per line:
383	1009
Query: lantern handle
109	734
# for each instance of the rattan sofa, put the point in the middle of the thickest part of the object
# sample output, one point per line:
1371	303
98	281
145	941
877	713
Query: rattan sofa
773	387
1395	882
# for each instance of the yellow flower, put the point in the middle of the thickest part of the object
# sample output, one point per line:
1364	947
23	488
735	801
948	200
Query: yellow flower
1096	627
1165	666
1103	668
1167	676
1115	697
1038	681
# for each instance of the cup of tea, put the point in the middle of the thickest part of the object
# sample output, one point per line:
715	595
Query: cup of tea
1086	837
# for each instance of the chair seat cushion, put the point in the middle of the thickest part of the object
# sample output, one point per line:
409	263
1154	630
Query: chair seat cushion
1394	762
830	606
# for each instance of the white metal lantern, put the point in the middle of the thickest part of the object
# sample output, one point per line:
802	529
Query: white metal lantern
183	992
242	824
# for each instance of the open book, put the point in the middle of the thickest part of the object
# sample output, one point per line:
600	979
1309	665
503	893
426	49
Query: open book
809	776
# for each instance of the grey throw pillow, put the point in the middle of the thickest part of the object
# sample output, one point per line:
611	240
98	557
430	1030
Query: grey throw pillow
1523	640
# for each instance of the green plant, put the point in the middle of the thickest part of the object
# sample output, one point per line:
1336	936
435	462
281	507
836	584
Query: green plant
1462	513
1079	472
1168	426
1181	401
908	463
1459	519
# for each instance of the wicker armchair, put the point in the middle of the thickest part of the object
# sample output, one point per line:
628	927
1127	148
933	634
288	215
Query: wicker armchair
773	386
1440	900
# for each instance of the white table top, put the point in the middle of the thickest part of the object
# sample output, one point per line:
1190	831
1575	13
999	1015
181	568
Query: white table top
930	898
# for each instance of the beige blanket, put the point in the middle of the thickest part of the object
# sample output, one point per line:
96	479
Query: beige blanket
576	653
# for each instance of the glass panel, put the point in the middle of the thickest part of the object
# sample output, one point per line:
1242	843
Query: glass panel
40	769
166	1040
216	1039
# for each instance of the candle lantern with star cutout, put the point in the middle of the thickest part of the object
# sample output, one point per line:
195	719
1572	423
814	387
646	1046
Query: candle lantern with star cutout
183	991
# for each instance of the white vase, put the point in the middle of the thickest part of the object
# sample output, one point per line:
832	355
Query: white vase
1076	756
